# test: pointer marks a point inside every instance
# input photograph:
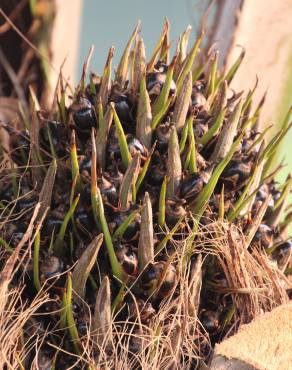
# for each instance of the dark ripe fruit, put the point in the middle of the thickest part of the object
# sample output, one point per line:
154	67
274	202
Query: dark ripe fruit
50	267
248	141
125	111
236	173
157	173
20	147
115	176
127	258
85	195
261	196
145	311
108	191
53	223
136	342
56	130
54	307
135	146
191	186
199	85
276	194
155	80
90	95
160	278
174	211
199	102
283	253
85	166
16	234
114	148
200	128
262	193
210	320
149	277
83	115
84	220
54	220
26	202
82	320
44	360
169	282
160	67
132	229
264	236
33	327
6	192
162	135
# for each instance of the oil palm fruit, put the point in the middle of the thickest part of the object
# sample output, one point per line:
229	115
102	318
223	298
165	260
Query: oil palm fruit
125	172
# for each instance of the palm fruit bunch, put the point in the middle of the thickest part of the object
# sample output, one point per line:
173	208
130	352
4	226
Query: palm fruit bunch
141	191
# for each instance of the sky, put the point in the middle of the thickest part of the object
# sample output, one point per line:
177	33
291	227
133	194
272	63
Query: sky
110	23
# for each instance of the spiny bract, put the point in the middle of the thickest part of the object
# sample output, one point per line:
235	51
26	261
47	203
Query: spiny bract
126	176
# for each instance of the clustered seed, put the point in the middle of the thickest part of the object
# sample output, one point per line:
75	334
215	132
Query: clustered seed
159	175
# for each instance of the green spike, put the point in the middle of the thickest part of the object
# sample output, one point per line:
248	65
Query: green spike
182	103
188	66
98	211
159	116
128	189
281	203
146	239
144	116
247	103
212	83
272	159
83	267
193	154
143	172
162	196
105	86
168	236
74	162
273	146
70	317
59	243
257	219
102	318
139	65
157	48
124	225
126	155
183	45
246	199
184	135
122	70
213	130
162	99
82	83
221	100
174	167
115	265
233	69
229	130
105	122
203	197
164	50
